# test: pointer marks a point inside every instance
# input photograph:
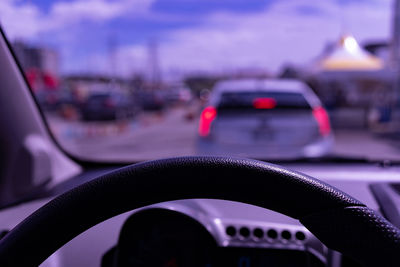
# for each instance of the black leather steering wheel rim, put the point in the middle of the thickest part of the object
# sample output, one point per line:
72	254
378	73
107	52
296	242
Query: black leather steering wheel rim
337	219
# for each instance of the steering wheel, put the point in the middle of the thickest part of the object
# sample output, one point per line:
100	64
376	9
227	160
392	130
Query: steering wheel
338	220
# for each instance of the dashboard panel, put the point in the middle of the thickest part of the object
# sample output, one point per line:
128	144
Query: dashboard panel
216	216
161	237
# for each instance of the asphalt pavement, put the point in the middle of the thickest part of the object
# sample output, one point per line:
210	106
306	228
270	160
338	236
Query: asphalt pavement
173	133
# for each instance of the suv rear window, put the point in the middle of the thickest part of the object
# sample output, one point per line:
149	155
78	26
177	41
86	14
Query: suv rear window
262	100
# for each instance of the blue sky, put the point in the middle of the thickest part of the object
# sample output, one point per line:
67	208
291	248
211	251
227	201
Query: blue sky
192	35
208	6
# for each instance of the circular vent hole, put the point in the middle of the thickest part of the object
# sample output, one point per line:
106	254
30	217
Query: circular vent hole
244	232
300	236
231	231
258	232
286	235
271	233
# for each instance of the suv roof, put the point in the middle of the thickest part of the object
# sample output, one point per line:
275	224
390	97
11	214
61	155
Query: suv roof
281	85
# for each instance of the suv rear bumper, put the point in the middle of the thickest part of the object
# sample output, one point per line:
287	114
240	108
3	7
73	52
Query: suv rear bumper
319	148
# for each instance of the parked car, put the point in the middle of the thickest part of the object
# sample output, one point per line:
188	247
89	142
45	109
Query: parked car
177	96
108	106
260	118
49	100
151	100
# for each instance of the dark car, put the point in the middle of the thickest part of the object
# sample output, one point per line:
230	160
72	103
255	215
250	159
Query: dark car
108	106
49	100
151	101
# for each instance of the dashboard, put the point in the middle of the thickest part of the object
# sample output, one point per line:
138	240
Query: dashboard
162	237
206	232
245	235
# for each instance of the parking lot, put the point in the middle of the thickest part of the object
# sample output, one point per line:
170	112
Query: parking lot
174	133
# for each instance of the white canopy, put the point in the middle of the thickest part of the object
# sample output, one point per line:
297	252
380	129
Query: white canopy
347	55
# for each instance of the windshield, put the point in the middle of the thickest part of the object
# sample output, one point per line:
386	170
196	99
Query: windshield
134	80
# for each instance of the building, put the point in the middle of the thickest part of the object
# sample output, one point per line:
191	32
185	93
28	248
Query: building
40	58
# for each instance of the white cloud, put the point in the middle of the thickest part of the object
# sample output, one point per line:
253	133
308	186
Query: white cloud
92	9
27	20
19	21
95	10
271	37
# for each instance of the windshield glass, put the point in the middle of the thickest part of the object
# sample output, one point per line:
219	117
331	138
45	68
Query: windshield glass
133	80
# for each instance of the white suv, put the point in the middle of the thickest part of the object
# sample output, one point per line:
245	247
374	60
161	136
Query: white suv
264	119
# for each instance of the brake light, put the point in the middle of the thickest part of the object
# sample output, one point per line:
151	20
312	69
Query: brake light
206	118
264	103
321	116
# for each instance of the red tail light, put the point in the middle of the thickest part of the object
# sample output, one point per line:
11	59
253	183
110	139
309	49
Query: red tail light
206	118
322	118
264	103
